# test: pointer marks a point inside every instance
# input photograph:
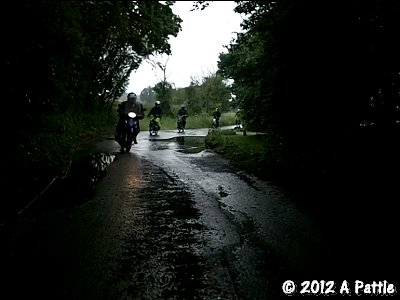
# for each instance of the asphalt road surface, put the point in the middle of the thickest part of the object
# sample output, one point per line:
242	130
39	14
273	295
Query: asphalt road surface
172	220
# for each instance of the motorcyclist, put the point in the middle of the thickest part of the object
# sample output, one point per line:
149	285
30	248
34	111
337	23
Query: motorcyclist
130	105
216	115
184	114
156	112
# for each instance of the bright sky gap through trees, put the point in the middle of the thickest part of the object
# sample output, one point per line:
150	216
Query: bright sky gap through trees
196	48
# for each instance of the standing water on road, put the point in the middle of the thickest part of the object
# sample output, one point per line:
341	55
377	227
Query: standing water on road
169	220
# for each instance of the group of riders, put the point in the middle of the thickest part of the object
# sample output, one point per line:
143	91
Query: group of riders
156	112
132	105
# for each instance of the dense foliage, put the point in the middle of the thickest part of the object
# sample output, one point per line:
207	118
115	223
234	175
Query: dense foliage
200	97
323	76
63	65
79	53
205	96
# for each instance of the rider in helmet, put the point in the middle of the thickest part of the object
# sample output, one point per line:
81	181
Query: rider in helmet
217	115
184	114
124	108
156	112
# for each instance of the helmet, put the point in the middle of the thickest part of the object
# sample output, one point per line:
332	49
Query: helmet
158	102
132	96
183	105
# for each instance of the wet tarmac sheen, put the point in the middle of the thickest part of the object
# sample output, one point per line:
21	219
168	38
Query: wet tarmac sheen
169	220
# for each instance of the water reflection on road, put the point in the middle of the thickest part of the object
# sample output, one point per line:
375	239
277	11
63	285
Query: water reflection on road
249	225
169	220
99	157
189	144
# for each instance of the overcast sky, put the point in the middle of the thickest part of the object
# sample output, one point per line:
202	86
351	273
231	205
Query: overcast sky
196	48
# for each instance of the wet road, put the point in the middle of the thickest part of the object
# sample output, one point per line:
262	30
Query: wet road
169	220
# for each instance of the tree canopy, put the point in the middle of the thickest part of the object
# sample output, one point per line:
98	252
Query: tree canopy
63	65
317	72
78	53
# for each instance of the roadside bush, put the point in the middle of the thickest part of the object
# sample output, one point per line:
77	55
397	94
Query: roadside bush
45	150
263	155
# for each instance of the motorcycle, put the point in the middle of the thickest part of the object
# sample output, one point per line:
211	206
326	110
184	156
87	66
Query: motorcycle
131	126
154	126
214	123
238	125
180	124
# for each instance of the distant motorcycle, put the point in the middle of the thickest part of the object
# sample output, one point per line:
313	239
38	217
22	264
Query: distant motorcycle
154	125
181	128
131	127
238	127
215	123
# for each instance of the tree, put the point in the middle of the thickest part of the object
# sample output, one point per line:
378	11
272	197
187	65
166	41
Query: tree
64	64
193	97
148	95
163	88
312	71
80	53
214	93
163	94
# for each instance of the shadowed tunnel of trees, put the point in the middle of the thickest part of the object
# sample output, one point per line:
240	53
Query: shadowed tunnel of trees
321	78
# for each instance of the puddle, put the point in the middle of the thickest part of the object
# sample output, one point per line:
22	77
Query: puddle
183	144
98	165
87	168
85	172
76	186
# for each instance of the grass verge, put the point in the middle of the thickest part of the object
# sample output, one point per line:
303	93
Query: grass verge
247	152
